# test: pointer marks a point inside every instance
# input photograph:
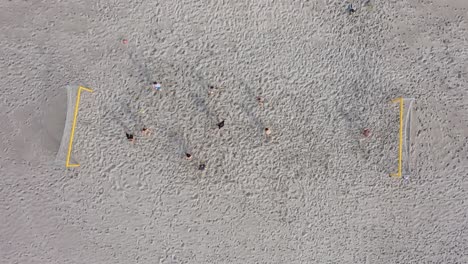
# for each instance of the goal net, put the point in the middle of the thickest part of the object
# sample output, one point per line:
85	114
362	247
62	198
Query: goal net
404	149
62	154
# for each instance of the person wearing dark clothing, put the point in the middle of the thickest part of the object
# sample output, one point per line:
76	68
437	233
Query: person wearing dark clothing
130	137
221	124
350	9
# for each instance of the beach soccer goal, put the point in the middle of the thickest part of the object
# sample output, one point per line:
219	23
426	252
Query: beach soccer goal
404	148
64	154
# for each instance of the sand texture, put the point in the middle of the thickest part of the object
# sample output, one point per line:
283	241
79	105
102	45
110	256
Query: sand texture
315	191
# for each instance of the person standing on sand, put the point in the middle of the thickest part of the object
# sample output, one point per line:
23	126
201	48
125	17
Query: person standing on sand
350	9
202	166
145	131
220	124
156	86
260	101
211	90
366	132
130	137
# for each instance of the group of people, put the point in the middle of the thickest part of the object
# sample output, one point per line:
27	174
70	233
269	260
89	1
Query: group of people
188	156
146	131
212	90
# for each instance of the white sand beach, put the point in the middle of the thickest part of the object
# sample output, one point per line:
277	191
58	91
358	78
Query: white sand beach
316	190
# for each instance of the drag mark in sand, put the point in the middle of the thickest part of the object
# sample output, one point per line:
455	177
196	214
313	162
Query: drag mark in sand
70	144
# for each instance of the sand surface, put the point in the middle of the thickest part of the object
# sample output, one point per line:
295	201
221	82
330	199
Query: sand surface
317	191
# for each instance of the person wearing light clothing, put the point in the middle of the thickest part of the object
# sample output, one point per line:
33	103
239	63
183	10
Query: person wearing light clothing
157	86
